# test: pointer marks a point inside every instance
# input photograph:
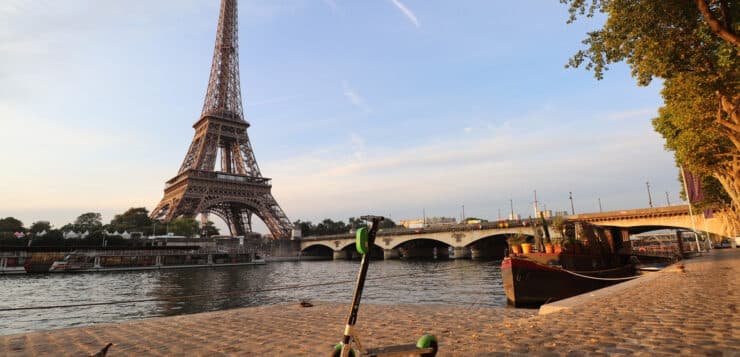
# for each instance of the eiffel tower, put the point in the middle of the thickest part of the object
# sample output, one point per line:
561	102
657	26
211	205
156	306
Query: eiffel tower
238	190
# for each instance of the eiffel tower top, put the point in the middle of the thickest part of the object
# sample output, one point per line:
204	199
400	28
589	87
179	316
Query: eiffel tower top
223	97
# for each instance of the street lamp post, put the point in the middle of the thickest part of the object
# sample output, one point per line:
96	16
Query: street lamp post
650	197
511	203
572	209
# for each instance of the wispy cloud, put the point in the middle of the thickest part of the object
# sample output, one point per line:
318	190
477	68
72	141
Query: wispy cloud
455	169
354	97
407	12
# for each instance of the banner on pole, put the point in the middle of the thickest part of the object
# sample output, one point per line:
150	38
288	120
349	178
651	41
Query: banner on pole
693	187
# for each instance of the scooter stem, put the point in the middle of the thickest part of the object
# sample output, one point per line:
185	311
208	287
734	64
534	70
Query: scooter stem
352	318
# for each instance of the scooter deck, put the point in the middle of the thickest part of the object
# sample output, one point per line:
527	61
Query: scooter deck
398	350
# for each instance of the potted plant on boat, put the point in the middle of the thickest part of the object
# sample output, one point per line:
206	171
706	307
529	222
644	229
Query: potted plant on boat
526	248
557	245
514	243
522	241
549	248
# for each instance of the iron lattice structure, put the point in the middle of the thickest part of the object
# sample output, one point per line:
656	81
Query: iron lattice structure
236	191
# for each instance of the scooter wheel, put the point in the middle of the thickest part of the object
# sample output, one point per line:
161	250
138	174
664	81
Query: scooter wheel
361	243
426	341
338	351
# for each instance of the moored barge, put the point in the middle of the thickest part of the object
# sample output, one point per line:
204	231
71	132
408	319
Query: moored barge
538	278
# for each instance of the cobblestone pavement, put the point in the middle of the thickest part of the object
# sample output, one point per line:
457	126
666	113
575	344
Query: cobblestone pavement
690	311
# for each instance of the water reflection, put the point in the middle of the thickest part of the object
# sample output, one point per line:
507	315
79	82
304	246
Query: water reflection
457	282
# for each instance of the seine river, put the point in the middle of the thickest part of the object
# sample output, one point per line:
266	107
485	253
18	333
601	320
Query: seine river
187	291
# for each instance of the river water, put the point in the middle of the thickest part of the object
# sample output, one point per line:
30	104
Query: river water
187	291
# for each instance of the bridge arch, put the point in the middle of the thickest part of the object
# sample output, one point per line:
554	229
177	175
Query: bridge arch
395	243
649	228
493	246
503	236
423	247
319	243
349	251
317	251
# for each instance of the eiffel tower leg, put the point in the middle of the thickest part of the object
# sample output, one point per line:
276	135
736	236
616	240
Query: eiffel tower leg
237	221
274	217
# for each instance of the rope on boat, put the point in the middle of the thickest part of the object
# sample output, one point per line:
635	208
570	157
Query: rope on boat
596	278
238	292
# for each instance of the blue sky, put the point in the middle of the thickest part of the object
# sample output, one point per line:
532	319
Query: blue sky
388	106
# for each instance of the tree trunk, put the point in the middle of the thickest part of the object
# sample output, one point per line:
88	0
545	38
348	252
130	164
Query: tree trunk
716	26
728	174
729	178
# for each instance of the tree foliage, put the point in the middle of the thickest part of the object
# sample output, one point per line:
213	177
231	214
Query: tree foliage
10	224
209	229
135	219
693	47
187	227
329	226
40	226
90	221
387	223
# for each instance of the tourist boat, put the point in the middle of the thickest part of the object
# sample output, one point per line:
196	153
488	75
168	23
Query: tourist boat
12	270
531	280
11	263
80	262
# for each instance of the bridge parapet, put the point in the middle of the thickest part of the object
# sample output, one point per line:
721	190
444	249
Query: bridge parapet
459	236
639	220
427	230
682	210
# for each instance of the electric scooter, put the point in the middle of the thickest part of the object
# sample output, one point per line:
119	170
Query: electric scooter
426	346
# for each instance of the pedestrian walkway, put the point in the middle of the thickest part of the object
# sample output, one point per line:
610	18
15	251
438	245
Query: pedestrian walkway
689	310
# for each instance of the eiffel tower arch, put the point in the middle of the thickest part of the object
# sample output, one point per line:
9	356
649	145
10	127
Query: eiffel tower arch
235	191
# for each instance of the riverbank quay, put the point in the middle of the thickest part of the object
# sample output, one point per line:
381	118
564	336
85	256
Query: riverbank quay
689	309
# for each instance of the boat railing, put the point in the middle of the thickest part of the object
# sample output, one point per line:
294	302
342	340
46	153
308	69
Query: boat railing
163	252
12	254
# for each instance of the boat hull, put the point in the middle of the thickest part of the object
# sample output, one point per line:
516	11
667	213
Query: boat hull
528	283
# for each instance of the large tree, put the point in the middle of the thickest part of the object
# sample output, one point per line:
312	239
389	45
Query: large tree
693	46
135	219
210	229
187	227
40	226
305	227
90	221
10	224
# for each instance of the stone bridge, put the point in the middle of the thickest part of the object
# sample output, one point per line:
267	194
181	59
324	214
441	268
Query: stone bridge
649	219
489	239
466	240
